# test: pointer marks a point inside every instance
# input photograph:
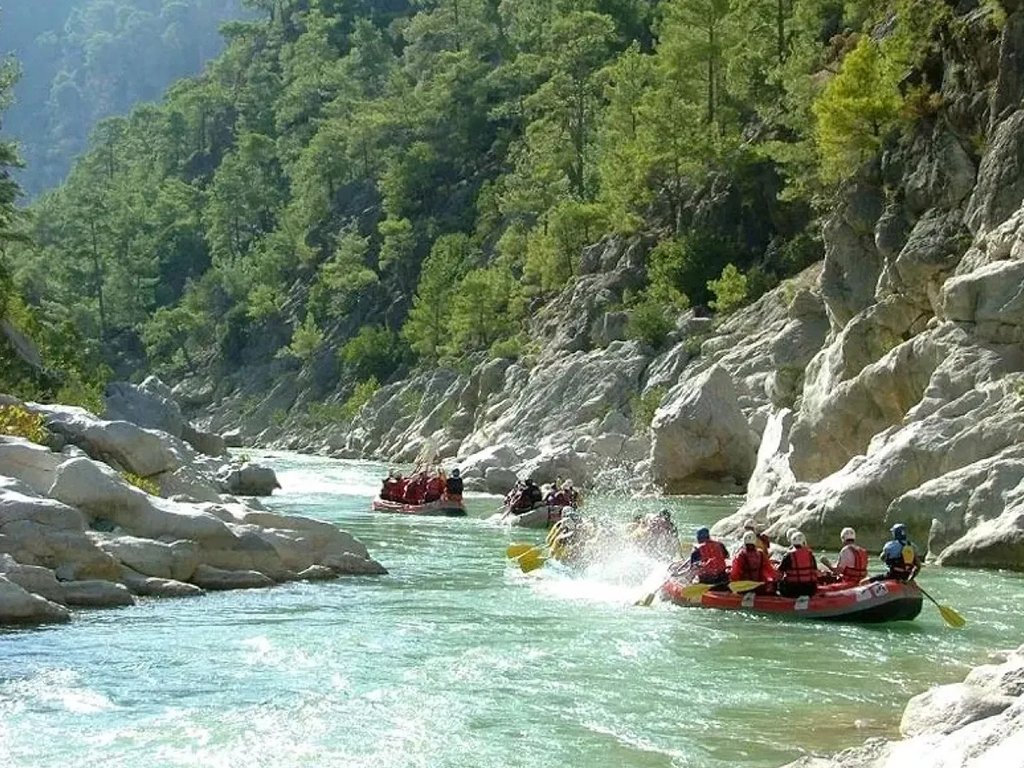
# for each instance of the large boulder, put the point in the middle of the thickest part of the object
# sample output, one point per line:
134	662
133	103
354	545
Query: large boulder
44	532
701	437
32	578
176	560
142	451
17	606
249	480
989	300
150	405
103	495
35	465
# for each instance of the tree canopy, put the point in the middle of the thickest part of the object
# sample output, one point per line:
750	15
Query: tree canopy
381	183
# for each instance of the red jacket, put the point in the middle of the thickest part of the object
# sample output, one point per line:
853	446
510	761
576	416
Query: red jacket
799	566
710	558
751	564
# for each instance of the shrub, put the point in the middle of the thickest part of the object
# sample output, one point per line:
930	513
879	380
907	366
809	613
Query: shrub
730	290
360	396
142	483
16	421
645	405
375	352
507	348
324	414
649	321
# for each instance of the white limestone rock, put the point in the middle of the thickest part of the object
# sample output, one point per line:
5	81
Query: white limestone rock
700	434
18	606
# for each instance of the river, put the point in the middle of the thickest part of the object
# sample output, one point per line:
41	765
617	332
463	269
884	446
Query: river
457	659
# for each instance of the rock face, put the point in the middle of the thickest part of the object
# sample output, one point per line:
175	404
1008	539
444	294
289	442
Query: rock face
863	391
979	722
911	411
151	405
74	532
702	433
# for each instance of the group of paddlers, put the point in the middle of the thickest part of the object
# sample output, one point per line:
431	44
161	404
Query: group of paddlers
798	573
526	495
422	487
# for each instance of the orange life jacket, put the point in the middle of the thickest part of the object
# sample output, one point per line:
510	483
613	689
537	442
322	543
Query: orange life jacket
712	558
859	569
802	568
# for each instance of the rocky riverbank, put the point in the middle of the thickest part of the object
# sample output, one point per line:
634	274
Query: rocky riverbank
979	722
106	511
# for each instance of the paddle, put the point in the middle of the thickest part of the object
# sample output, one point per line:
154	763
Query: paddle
744	586
531	561
673	572
518	548
529	557
951	617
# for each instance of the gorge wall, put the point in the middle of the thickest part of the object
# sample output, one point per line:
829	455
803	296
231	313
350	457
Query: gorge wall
884	384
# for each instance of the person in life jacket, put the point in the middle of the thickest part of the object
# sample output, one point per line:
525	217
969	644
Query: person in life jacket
900	555
752	564
453	486
852	565
763	542
709	558
798	569
435	487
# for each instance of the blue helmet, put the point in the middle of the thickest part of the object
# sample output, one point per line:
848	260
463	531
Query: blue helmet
899	532
703	534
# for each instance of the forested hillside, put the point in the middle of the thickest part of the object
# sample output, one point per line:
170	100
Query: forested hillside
356	187
83	60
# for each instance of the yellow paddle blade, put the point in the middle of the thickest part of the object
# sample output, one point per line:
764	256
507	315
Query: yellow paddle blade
744	586
952	618
531	561
695	590
518	548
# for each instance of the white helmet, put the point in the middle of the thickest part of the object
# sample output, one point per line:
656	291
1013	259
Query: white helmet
848	534
567	484
749	524
797	539
750	537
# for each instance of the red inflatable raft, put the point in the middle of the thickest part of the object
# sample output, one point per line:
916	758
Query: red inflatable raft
869	603
439	508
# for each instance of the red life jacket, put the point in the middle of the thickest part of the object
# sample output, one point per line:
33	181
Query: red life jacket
748	564
712	558
859	569
802	569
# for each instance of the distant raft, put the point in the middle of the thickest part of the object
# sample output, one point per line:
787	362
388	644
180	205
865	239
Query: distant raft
439	508
874	603
541	516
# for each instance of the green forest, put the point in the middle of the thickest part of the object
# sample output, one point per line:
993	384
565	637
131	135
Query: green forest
361	187
83	60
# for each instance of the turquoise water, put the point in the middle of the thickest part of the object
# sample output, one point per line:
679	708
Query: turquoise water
457	659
